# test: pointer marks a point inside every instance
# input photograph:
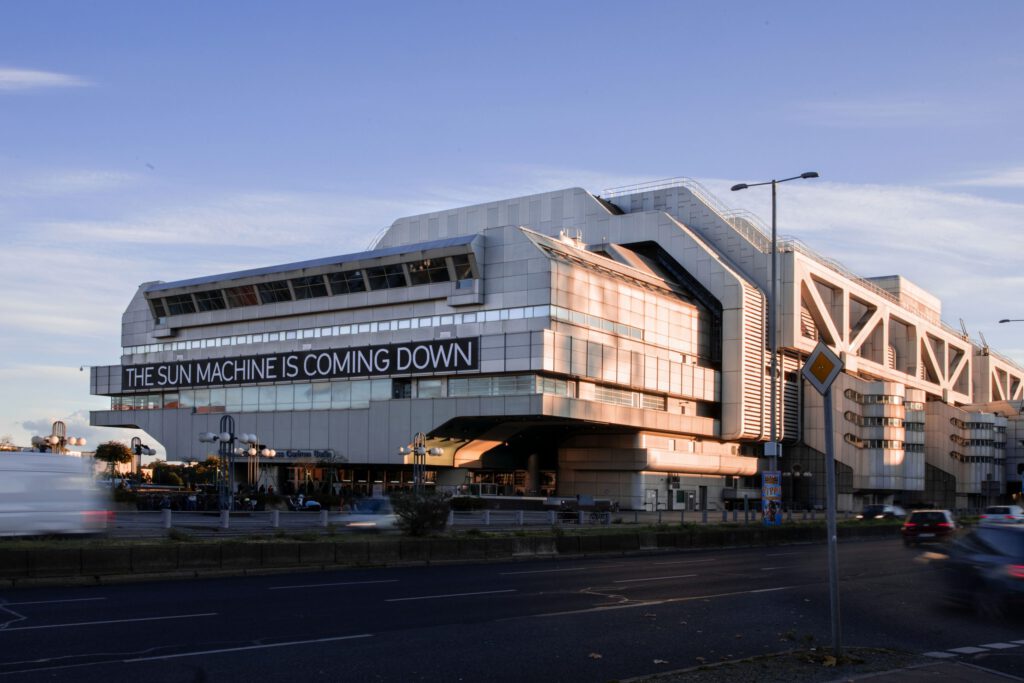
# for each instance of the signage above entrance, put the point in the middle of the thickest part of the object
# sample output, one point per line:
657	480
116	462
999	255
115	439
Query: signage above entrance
364	361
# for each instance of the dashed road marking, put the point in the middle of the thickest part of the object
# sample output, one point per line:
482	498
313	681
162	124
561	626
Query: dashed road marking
448	595
968	650
939	655
658	578
108	621
325	585
1000	646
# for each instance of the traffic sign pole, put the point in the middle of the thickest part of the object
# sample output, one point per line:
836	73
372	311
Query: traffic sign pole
830	527
820	370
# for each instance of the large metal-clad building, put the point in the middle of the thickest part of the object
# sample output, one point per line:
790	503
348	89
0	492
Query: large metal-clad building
567	343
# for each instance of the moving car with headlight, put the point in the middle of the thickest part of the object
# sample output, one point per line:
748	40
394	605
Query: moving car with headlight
881	512
370	514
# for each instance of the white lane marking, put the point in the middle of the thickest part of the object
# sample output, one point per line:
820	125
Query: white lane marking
939	655
449	595
109	621
685	562
322	585
200	653
51	602
1000	646
1017	642
567	569
658	578
967	650
651	603
546	571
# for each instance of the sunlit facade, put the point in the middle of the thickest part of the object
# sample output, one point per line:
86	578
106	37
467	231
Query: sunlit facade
567	343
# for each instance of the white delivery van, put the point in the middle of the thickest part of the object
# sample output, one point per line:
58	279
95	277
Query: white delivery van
44	493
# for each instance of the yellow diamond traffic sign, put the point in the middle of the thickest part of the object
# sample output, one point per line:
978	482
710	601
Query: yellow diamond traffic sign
822	367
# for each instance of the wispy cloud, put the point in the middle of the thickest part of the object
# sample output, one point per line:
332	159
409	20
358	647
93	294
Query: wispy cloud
77	425
29	79
63	183
1003	178
885	112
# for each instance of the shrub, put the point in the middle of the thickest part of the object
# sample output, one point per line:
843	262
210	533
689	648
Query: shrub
420	514
467	503
125	496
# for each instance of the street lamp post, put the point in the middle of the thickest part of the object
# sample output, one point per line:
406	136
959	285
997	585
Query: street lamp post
57	440
419	451
226	452
772	447
140	449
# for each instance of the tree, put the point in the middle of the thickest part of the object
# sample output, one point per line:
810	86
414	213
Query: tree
167	474
7	443
113	452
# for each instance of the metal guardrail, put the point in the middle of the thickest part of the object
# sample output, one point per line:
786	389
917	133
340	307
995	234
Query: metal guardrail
152	524
506	519
145	523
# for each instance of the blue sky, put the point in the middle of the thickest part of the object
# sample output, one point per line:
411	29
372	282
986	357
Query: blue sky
164	140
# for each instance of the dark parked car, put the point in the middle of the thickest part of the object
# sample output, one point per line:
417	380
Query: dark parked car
882	512
928	526
985	569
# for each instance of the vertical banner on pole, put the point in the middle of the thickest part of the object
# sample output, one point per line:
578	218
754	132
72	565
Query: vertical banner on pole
771	497
821	369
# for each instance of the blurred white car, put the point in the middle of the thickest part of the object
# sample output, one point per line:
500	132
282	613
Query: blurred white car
370	514
44	493
1002	514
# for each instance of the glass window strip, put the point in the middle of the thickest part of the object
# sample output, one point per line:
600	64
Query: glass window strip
246	296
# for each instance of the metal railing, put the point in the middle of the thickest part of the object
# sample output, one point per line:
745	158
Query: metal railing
499	519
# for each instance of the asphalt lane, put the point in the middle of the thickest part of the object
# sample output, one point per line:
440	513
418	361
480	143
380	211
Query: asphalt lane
555	620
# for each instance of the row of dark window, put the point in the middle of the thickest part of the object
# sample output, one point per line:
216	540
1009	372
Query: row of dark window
421	272
976	458
872	398
873	421
888	444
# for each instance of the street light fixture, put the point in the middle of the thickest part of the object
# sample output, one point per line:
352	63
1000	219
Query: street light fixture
57	440
226	452
772	447
419	451
139	449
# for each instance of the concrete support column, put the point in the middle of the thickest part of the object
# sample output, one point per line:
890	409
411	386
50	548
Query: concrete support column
533	474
